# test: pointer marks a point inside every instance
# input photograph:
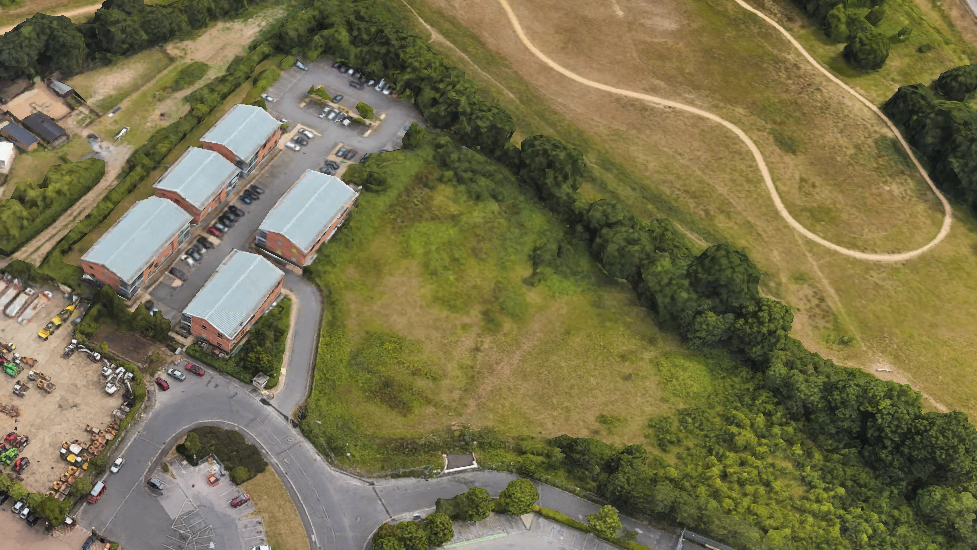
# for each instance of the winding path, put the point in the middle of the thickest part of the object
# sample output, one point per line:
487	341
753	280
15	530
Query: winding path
764	171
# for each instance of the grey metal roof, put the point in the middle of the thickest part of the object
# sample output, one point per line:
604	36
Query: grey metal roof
243	130
59	87
44	126
198	176
235	292
138	238
308	208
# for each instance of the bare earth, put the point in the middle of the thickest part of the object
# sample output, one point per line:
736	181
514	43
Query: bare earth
35	6
17	535
49	419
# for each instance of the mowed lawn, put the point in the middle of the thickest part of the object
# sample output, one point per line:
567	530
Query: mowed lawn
442	329
837	168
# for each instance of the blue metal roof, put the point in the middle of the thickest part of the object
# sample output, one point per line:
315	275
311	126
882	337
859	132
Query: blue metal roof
18	135
138	238
235	292
308	208
243	130
198	176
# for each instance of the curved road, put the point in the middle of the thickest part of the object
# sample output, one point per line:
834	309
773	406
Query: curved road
338	510
764	171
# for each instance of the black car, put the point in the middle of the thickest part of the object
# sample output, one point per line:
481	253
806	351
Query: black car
32	520
337	98
255	189
356	84
236	210
4	497
364	157
227	222
326	170
178	274
341	68
199	248
193	254
332	164
250	194
231	215
336	64
300	140
350	155
205	243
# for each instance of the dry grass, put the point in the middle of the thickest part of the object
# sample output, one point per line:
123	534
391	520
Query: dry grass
283	527
844	180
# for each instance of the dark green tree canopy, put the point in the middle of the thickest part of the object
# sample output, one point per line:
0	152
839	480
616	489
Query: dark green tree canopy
725	276
519	497
867	51
957	83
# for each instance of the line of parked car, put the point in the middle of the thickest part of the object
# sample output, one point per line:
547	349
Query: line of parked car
179	376
362	80
301	137
21	510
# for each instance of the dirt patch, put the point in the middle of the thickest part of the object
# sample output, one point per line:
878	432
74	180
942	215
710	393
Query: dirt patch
62	415
39	99
220	43
131	346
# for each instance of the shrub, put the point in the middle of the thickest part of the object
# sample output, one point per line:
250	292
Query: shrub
439	529
867	51
241	474
17	491
189	75
228	446
97	465
364	110
604	522
287	62
82	486
519	497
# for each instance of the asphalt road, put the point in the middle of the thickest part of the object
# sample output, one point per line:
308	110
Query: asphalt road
338	510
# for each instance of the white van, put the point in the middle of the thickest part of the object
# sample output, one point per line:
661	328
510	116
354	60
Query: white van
379	86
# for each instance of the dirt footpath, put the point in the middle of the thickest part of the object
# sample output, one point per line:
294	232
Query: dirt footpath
49	419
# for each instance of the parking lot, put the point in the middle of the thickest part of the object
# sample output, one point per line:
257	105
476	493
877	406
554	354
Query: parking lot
282	171
20	536
79	397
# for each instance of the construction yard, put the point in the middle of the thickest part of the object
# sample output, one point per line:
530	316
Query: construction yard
78	400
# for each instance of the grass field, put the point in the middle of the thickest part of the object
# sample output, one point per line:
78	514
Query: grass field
438	327
836	168
283	527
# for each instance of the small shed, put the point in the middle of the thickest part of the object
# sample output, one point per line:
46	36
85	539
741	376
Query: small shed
44	126
19	136
61	89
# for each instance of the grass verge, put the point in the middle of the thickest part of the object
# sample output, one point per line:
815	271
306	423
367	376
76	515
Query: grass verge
283	527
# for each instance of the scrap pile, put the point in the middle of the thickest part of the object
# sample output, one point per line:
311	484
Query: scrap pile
77	454
13	411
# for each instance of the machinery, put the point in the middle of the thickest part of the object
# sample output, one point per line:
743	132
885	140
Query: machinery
70	349
8	457
12	369
20	388
16	440
21	464
55	323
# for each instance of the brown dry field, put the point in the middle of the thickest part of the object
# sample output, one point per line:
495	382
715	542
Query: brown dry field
844	179
49	419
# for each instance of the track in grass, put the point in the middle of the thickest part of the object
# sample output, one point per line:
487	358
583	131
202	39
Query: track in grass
757	156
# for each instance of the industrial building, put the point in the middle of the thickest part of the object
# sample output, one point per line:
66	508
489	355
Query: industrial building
305	217
245	135
243	288
199	181
137	245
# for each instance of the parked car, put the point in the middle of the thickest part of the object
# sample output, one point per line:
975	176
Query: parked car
237	210
341	67
300	140
32	520
332	164
194	254
336	64
205	243
155	484
379	85
25	512
364	157
350	155
163	384
226	221
256	189
306	133
190	261
292	146
18	506
337	98
350	71
357	74
97	491
178	274
371	82
326	170
332	115
301	66
355	84
245	199
199	248
389	88
221	227
229	214
342	151
341	117
196	369
407	127
240	500
267	98
215	232
117	465
251	194
4	497
176	374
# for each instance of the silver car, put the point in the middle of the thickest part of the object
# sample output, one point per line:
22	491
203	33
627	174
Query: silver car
332	115
173	373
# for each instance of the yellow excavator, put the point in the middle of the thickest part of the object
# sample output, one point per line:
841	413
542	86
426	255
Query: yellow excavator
55	324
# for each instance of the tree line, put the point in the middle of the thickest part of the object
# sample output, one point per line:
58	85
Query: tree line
711	299
45	44
942	129
853	22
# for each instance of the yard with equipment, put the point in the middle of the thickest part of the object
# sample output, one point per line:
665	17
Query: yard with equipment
61	396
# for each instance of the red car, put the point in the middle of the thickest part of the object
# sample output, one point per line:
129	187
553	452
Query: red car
196	369
215	232
241	500
163	384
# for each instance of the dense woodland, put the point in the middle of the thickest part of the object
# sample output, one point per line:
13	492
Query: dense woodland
875	471
853	22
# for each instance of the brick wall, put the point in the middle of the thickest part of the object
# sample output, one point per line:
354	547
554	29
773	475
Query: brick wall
202	329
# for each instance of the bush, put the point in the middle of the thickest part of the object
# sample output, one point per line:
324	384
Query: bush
439	529
82	487
97	464
241	474
228	446
604	522
519	497
364	110
17	491
262	82
189	75
287	62
867	51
